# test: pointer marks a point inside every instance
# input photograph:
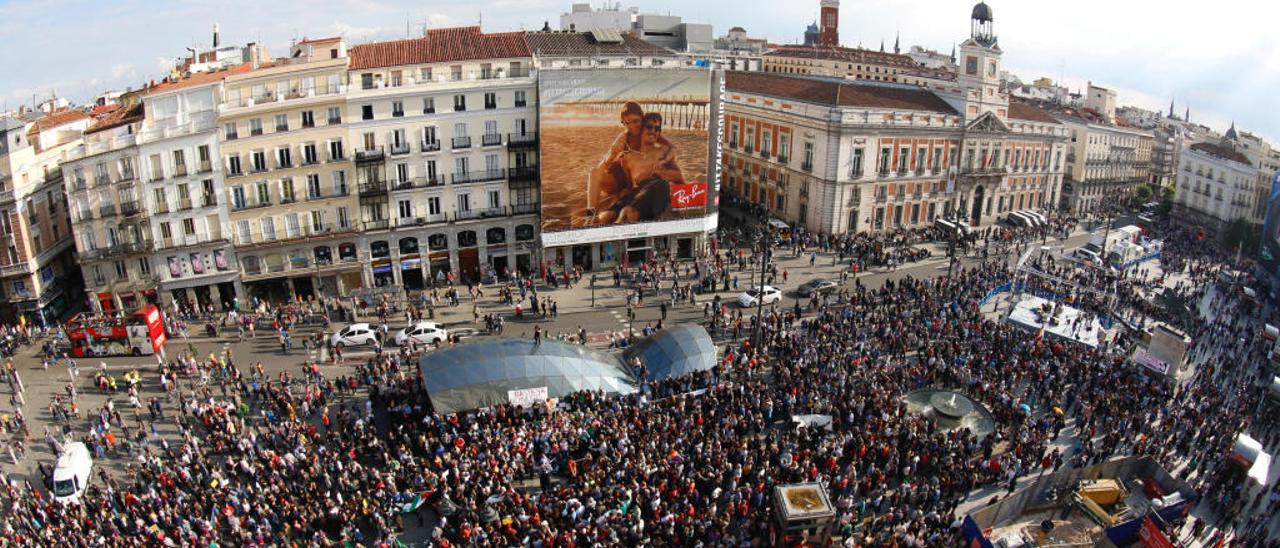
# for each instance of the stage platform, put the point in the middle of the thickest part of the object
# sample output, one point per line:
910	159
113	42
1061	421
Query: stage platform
1028	315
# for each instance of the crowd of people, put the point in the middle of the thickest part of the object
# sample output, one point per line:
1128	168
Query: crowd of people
224	453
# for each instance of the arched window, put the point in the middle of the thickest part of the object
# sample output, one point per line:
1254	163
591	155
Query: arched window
323	255
347	252
408	246
379	249
437	242
251	265
496	235
467	238
524	233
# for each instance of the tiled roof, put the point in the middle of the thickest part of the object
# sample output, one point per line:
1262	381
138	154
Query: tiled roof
833	92
849	55
1222	152
1026	111
440	46
581	44
200	78
55	119
125	114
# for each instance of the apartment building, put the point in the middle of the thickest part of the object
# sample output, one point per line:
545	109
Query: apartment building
1106	160
183	192
112	228
39	276
443	129
842	62
1215	186
839	157
287	172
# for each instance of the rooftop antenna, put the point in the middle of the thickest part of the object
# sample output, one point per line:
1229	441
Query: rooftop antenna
406	24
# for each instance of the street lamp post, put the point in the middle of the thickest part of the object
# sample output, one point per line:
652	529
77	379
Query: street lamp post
764	260
593	290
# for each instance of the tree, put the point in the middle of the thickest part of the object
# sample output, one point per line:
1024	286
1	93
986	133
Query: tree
1143	193
1244	235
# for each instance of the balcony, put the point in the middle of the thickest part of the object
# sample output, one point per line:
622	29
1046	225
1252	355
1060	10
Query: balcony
130	208
491	140
208	200
783	159
107	211
764	153
373	154
400	148
298	95
380	224
79	185
421	221
15	269
260	168
806	166
519	140
526	173
246	205
418	182
478	176
126	177
162	208
855	174
184	204
466	215
461	143
372	188
285	164
331	158
430	146
983	170
524	209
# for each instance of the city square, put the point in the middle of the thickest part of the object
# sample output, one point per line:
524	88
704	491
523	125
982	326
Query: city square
667	290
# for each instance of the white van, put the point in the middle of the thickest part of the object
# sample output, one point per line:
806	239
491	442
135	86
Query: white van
72	473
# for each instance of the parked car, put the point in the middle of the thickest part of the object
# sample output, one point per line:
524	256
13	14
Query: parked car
422	333
358	334
767	294
817	286
72	472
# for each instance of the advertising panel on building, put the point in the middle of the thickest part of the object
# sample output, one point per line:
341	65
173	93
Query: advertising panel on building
626	154
1270	247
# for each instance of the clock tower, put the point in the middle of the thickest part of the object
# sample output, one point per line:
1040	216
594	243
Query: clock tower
979	62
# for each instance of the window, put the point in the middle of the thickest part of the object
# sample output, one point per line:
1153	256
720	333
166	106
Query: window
179	163
309	155
162	204
335	151
495	199
396	78
340	183
397	109
855	163
121	270
292	226
402	173
733	136
233	165
189	227
431	170
242	227
750	145
366	80
286	190
433	205
936	165
784	148
424	74
455	72
282	122
459	103
258	160
344	217
313	186
308	118
366	112
428	105
464	203
255	126
268	228
284	158
490	100
335	115
229	131
264	193
405	209
808	157
491	163
237	197
921	155
144	266
903	154
429	136
317	220
461	165
520	99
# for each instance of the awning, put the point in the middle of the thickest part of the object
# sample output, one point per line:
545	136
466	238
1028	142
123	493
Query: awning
779	224
1248	452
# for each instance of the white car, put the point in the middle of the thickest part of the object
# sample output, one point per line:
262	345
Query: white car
357	334
768	295
72	472
422	333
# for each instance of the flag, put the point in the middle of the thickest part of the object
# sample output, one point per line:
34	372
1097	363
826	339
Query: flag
413	504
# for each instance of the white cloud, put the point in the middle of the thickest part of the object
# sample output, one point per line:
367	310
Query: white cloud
355	33
121	70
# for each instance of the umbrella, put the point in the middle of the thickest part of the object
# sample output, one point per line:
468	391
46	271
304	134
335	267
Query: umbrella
1057	410
1024	408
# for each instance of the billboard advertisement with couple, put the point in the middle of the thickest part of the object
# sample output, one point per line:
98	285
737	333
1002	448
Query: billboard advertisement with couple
625	147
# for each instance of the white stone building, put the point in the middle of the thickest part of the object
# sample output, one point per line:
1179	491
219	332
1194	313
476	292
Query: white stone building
1215	186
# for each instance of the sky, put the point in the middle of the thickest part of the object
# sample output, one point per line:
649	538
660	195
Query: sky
1220	57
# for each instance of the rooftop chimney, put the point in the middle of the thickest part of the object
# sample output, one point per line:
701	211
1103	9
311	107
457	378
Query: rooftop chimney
216	42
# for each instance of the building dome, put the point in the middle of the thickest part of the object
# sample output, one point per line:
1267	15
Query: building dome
737	29
982	12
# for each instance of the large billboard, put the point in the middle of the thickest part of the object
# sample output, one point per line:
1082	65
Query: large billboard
626	152
1270	248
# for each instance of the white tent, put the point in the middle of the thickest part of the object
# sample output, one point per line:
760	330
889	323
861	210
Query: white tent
1248	452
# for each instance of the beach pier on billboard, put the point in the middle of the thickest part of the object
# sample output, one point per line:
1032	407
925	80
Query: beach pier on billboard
629	168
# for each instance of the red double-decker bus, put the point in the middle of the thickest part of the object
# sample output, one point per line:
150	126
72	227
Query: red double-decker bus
140	333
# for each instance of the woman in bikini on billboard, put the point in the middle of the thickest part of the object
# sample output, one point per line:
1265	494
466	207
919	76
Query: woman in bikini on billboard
611	180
